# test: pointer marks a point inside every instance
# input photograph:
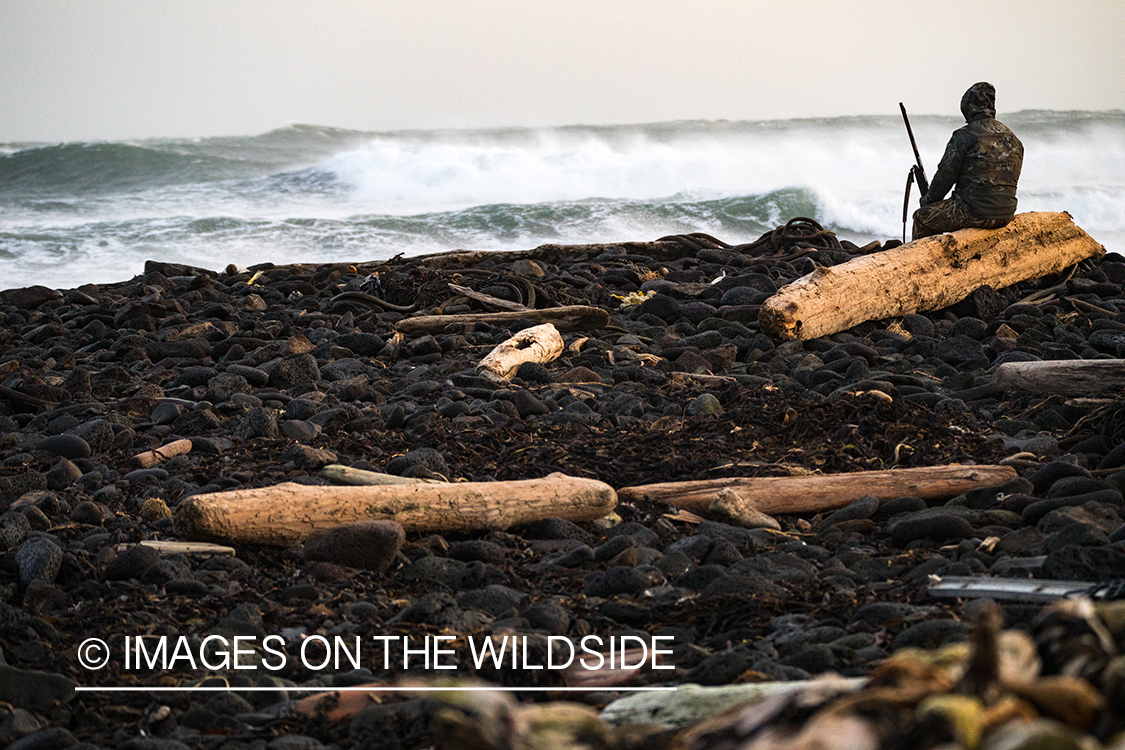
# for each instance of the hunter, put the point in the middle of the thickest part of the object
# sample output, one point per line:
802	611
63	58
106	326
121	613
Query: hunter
983	160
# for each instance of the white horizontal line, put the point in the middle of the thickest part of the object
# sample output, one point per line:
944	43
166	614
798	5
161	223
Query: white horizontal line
81	689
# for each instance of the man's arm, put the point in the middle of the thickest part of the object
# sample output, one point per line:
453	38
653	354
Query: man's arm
948	171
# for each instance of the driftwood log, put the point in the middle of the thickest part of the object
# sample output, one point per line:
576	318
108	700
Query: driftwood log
540	344
812	494
163	453
1064	377
287	513
360	477
569	318
927	274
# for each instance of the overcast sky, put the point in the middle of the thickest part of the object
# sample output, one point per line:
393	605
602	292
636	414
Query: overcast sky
115	69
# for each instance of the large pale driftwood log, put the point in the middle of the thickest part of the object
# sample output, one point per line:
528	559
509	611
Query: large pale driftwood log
927	274
569	318
812	494
285	514
1065	377
359	477
540	344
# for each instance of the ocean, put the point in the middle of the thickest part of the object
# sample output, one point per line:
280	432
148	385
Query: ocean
93	212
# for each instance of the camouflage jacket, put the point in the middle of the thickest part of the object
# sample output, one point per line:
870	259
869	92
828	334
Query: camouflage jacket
983	159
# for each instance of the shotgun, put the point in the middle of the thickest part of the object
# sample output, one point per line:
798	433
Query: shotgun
917	172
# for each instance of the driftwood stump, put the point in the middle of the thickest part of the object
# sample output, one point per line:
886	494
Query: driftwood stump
540	344
927	274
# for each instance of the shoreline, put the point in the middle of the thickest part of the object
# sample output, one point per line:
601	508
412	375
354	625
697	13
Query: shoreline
272	378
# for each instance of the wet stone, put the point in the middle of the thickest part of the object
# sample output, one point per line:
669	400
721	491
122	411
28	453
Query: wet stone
67	446
370	545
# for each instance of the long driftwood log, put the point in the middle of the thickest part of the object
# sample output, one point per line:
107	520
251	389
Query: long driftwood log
812	494
1064	377
568	318
927	274
540	344
287	513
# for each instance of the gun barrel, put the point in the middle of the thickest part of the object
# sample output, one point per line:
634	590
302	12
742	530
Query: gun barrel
923	183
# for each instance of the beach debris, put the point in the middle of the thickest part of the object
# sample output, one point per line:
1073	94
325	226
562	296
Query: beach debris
488	300
567	318
347	475
1078	377
927	274
287	513
729	505
811	494
540	344
152	458
1021	590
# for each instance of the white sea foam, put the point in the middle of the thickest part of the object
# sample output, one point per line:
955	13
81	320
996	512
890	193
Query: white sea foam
424	192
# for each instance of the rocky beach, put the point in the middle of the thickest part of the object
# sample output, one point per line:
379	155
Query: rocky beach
275	372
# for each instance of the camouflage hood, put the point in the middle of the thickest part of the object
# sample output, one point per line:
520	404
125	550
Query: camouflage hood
979	101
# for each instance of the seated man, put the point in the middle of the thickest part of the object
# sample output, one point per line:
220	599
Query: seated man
983	159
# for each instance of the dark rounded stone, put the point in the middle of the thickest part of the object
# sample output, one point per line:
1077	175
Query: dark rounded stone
52	738
697	579
371	545
62	475
131	562
98	433
621	579
864	507
1042	479
494	599
880	614
1084	564
528	404
533	372
363	344
38	559
558	528
423	463
295	369
931	633
89	513
814	659
224	385
1076	485
259	422
936	526
477	550
167	569
548	617
613	547
67	446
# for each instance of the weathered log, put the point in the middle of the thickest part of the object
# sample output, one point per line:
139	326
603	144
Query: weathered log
287	513
812	494
540	344
488	299
927	274
163	453
569	318
361	478
170	547
1064	377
